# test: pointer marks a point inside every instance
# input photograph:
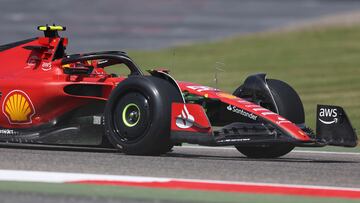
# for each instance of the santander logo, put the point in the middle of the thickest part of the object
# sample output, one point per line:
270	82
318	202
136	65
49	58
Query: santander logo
185	119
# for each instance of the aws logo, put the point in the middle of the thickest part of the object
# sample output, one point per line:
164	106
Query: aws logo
328	116
18	107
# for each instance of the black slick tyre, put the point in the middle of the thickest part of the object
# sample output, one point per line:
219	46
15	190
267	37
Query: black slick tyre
137	115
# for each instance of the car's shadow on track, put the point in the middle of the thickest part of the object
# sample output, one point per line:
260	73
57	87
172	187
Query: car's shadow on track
173	154
245	159
57	148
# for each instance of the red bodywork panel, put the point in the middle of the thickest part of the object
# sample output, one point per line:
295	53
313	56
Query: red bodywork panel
190	118
32	84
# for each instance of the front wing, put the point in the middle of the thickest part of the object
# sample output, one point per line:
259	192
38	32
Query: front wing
190	124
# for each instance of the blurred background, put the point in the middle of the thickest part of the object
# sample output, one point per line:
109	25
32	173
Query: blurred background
142	24
311	44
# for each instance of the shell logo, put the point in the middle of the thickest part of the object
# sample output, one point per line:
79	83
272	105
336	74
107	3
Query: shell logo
18	107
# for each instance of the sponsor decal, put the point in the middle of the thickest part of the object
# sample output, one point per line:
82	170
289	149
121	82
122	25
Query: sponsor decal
32	61
257	108
202	88
241	112
260	109
185	119
46	66
281	120
268	113
8	132
226	95
328	116
97	120
234	140
18	107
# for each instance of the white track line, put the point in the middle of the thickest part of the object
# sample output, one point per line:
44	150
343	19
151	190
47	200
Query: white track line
60	177
295	151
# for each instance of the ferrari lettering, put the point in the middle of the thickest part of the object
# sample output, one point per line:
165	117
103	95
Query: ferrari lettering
241	112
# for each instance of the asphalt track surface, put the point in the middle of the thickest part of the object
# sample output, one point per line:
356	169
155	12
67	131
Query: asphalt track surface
305	168
144	24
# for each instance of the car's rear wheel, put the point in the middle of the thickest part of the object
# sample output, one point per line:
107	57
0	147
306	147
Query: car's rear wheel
138	115
289	106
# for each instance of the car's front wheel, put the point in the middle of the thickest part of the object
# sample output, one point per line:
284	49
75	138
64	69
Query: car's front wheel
289	106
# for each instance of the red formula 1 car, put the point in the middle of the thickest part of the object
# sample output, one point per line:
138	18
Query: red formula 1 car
54	99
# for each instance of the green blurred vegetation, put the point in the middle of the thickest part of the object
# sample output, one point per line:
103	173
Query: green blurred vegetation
322	64
143	194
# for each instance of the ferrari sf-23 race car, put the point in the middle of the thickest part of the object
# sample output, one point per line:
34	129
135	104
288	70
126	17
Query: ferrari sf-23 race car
50	98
